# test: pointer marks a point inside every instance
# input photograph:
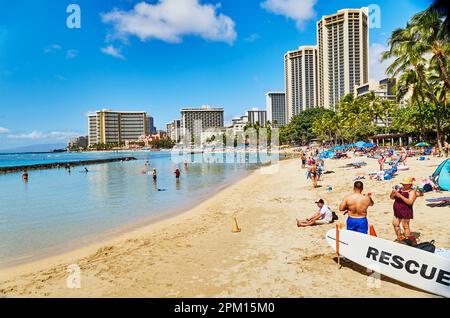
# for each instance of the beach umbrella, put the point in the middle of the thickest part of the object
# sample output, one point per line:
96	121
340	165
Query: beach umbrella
422	144
350	145
338	148
368	145
360	144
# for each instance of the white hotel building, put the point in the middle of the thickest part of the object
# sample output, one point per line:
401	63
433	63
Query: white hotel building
343	51
115	127
319	76
300	80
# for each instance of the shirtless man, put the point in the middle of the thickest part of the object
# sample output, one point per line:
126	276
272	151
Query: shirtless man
356	205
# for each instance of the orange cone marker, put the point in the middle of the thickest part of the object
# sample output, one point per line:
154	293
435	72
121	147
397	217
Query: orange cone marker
235	228
372	231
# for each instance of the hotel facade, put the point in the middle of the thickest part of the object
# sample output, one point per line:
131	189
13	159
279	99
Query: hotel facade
343	51
195	120
276	108
319	76
300	80
115	127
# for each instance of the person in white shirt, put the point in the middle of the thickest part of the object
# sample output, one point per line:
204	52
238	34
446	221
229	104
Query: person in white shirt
323	216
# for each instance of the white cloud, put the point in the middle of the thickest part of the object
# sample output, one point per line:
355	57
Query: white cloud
252	37
71	54
111	50
4	130
38	135
170	20
378	67
32	135
298	10
52	48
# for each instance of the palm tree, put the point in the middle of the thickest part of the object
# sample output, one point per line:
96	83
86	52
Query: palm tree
443	8
429	38
409	82
408	51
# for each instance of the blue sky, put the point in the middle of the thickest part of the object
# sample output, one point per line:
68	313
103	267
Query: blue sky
156	56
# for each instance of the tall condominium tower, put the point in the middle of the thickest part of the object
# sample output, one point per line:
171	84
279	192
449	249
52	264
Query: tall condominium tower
300	72
343	54
115	127
276	109
195	120
256	115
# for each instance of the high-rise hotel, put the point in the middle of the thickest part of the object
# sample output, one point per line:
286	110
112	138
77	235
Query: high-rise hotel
319	76
301	80
114	127
343	50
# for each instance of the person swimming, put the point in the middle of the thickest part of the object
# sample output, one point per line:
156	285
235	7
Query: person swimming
86	170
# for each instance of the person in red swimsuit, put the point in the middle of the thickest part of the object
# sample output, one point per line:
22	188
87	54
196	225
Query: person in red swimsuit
403	208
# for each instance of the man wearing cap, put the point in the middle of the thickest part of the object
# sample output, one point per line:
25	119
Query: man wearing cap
404	198
323	216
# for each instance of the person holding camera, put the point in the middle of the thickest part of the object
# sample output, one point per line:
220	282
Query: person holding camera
404	198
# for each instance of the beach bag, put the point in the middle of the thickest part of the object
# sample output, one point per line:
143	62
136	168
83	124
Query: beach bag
427	246
335	216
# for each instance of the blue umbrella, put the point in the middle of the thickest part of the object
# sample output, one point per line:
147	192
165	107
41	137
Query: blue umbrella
350	145
338	148
422	144
360	144
368	145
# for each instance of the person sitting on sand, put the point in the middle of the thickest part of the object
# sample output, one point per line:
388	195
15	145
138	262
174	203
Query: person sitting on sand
323	216
404	198
356	205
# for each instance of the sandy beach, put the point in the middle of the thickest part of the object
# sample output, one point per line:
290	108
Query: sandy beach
195	254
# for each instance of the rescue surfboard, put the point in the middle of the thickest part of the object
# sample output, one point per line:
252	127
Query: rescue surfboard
409	265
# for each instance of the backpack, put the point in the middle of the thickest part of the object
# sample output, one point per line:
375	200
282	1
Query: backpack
427	246
335	217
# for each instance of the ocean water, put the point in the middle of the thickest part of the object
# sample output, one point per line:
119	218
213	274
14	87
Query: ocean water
56	208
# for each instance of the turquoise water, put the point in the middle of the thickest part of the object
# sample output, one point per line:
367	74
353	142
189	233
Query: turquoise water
56	208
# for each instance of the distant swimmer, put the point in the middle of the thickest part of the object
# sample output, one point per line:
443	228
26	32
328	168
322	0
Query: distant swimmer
147	163
86	170
25	175
177	173
154	174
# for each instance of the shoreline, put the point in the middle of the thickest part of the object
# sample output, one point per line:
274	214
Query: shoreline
195	254
105	236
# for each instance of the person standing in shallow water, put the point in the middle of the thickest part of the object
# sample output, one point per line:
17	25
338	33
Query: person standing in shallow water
25	176
177	173
154	174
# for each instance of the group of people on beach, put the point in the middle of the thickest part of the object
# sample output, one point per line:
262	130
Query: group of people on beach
356	204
